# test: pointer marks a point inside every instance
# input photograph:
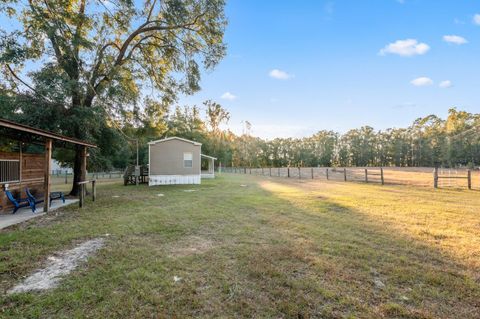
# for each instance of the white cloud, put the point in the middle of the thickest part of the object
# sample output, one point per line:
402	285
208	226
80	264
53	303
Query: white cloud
329	7
445	84
408	47
405	105
279	74
228	96
455	39
476	19
422	81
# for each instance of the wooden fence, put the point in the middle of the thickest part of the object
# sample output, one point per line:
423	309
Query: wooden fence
437	177
418	176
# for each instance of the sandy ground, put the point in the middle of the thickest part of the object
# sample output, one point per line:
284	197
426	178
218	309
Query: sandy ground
57	267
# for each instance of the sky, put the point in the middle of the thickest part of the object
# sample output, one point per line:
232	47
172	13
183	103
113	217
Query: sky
296	67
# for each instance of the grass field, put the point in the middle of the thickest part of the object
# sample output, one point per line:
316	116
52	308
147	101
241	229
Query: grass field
251	246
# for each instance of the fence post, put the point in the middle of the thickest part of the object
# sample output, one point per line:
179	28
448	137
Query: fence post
469	176
435	177
94	190
327	173
312	172
250	171
279	172
299	173
344	174
270	171
366	175
381	175
66	177
288	171
82	195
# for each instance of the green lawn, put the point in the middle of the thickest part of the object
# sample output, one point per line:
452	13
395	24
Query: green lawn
276	248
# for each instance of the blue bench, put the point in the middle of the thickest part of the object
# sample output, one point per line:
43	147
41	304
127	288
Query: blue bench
35	201
19	202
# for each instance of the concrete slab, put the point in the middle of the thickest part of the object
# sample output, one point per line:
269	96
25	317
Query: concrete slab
25	213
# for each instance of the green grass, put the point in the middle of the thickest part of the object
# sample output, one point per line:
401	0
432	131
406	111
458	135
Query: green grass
277	248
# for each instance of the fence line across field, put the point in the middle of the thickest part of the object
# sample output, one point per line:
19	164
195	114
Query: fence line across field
68	176
459	178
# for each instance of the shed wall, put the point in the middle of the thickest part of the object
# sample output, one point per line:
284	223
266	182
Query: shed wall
31	176
166	158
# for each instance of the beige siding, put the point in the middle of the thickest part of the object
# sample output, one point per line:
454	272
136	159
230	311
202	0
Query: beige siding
166	158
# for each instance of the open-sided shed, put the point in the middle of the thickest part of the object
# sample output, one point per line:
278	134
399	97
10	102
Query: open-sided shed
19	170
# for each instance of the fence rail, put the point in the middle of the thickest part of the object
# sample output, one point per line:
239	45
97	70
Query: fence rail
419	176
68	176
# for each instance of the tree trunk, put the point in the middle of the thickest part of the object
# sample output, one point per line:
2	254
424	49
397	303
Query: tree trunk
78	174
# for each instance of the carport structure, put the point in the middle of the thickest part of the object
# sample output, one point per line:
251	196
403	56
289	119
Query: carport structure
11	169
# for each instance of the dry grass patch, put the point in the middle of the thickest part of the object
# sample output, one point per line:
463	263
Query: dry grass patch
187	246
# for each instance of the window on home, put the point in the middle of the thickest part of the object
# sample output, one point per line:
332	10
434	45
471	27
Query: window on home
9	171
187	160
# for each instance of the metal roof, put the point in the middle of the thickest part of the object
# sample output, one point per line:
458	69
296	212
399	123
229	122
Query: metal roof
12	126
207	156
174	138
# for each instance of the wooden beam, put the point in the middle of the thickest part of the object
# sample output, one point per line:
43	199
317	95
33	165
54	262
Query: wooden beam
46	179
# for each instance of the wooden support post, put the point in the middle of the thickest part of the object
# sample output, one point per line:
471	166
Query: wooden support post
66	177
299	173
327	173
270	171
469	178
262	170
83	164
279	172
288	171
82	195
381	176
435	177
312	172
250	171
366	175
46	180
344	174
94	190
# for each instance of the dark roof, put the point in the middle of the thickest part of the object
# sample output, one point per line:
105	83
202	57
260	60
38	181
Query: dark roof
13	127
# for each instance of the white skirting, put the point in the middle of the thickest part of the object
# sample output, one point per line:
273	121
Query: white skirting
208	175
173	179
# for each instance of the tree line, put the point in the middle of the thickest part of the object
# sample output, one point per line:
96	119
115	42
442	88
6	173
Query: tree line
429	141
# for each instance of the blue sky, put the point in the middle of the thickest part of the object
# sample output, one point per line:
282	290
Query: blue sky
342	64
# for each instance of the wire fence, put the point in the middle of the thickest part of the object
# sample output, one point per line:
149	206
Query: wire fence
415	176
66	177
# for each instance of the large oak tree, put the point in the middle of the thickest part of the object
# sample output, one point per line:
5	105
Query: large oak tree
94	57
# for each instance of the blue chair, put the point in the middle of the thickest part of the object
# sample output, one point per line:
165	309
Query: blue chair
35	201
19	202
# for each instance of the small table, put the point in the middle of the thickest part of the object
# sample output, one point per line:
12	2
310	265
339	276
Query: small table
57	195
